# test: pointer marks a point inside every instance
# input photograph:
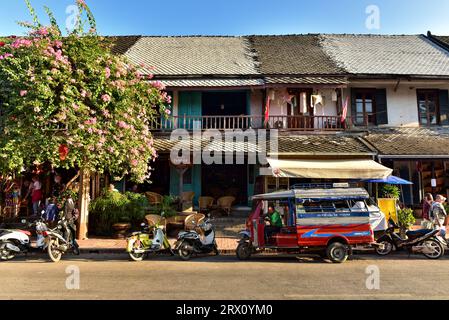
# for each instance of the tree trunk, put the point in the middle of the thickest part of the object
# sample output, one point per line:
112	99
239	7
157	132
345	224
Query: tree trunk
84	198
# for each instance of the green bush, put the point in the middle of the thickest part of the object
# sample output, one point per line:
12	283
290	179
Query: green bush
406	218
114	207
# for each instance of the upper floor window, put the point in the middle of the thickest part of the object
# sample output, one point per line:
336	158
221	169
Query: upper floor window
369	107
428	107
365	111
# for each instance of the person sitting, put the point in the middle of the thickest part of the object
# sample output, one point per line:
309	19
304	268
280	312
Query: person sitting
275	223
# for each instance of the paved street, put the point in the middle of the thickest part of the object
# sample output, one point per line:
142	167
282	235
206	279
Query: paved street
114	277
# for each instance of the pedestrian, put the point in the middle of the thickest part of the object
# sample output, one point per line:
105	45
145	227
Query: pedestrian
438	214
36	194
426	206
58	186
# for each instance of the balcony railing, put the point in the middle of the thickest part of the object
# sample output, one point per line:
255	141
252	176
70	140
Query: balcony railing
298	123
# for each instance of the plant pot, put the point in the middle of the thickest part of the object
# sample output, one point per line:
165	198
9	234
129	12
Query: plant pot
120	230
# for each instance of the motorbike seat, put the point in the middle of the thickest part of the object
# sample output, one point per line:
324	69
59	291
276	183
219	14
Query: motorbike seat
418	233
25	232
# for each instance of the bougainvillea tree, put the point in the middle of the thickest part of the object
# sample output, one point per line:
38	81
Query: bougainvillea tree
68	101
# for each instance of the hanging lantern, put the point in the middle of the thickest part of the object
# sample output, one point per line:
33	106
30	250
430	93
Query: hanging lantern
63	152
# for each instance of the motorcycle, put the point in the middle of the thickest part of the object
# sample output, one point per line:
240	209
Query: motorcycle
14	242
61	239
425	241
197	241
150	240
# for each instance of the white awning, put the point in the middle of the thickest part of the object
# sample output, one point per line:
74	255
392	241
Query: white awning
329	169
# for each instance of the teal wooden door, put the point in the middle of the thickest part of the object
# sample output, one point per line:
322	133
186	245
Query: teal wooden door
189	110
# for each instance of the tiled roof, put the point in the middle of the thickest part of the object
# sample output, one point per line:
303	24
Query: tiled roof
293	54
443	39
387	55
306	80
299	145
410	141
121	44
212	82
194	55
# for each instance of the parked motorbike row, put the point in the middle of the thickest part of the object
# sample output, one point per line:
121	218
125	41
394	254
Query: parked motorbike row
152	239
60	240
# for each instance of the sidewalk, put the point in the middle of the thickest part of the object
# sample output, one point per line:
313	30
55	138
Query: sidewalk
95	245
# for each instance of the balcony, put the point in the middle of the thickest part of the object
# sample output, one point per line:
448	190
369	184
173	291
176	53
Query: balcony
291	123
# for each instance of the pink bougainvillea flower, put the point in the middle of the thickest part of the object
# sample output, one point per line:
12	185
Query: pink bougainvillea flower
107	72
83	93
134	162
167	111
23	93
106	98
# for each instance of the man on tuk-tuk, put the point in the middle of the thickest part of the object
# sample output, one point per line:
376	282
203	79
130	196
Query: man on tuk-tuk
275	220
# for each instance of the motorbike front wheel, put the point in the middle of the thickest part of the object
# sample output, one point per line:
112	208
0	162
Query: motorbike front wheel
5	253
387	249
53	252
243	251
185	251
436	248
137	256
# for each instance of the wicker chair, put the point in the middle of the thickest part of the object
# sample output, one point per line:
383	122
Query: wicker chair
153	198
193	220
225	204
205	203
187	200
152	219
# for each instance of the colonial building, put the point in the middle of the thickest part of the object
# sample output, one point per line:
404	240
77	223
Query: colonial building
334	99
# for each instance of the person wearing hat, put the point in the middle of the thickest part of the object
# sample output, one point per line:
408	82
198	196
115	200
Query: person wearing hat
439	215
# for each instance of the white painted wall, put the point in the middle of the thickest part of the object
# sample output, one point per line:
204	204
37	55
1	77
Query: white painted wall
402	104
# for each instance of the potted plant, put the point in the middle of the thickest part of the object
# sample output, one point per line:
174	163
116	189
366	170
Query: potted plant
390	191
406	219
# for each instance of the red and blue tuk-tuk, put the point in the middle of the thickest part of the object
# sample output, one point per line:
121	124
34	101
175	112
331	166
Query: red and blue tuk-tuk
329	220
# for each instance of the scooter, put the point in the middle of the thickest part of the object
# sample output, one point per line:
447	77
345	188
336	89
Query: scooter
150	240
425	241
61	239
200	240
15	242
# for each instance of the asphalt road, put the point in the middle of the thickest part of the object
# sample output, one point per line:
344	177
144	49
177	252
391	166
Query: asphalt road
275	278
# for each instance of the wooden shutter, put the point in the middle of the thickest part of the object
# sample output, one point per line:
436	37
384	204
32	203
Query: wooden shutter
353	106
381	107
444	107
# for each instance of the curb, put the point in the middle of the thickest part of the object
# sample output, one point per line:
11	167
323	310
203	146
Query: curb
123	251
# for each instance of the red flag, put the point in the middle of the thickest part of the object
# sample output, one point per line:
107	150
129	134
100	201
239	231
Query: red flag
344	113
267	110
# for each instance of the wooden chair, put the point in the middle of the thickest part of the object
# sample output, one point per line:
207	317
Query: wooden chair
225	204
205	203
154	198
152	219
192	221
187	200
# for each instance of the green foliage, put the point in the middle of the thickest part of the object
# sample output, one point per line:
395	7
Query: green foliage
390	191
71	93
114	207
168	206
406	218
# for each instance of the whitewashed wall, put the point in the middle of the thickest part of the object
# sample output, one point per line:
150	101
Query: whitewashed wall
402	104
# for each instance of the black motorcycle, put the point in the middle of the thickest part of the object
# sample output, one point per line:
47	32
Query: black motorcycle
423	241
61	239
200	240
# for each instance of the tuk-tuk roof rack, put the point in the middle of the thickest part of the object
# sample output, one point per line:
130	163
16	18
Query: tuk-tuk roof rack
329	185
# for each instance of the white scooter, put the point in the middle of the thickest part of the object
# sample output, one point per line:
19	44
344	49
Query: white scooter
200	240
14	242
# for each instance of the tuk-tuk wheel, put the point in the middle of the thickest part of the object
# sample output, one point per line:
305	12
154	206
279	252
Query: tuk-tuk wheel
243	251
337	252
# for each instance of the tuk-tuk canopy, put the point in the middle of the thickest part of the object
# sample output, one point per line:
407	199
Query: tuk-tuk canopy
316	194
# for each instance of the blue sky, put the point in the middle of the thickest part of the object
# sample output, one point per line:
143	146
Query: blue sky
242	17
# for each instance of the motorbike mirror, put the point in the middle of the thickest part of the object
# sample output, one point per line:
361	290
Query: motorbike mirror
162	214
142	224
23	221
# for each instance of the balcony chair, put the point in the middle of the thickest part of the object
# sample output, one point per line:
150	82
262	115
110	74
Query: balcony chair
192	221
187	201
154	198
